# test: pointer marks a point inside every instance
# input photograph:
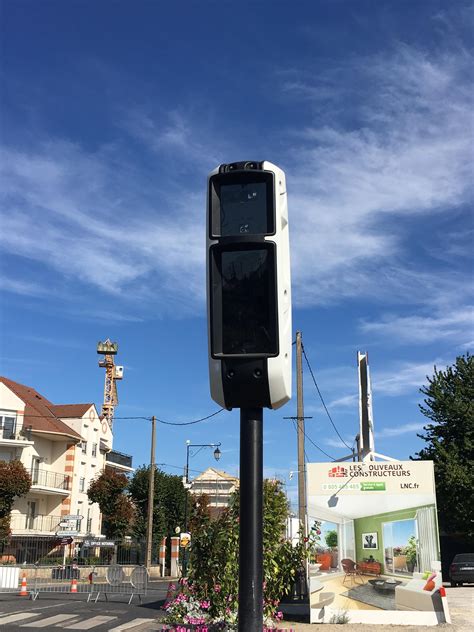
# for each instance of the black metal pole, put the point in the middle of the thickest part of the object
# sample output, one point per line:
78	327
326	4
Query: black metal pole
251	521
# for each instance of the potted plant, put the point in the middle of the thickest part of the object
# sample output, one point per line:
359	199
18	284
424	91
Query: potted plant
331	541
313	540
410	552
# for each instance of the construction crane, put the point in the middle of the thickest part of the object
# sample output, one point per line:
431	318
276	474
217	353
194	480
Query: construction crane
109	349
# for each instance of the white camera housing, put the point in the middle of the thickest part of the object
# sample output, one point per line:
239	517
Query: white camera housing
248	286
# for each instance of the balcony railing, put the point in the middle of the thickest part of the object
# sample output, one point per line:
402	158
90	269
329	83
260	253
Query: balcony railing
45	478
35	523
118	458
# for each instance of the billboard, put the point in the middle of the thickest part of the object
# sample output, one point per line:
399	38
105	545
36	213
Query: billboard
374	542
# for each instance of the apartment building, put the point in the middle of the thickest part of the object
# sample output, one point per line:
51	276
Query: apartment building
63	447
217	485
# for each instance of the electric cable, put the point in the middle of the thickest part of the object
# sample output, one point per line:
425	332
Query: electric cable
315	444
189	423
322	400
161	421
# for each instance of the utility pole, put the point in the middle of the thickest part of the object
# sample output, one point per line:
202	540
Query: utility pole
300	419
301	435
151	496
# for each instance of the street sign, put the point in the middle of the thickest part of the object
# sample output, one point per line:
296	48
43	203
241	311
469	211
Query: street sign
74	517
102	543
66	533
65	541
248	286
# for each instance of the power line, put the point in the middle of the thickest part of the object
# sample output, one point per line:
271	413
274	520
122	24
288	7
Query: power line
322	400
161	421
315	445
318	448
189	423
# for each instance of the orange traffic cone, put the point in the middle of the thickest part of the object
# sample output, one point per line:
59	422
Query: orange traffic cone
23	592
74	586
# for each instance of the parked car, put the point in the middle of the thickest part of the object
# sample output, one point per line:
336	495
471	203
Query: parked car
462	569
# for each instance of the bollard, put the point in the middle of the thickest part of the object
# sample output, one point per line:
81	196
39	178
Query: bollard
174	556
163	556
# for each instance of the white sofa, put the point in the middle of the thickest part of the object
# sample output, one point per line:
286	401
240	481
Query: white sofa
413	597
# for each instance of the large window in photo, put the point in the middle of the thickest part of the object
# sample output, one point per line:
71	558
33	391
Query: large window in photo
400	548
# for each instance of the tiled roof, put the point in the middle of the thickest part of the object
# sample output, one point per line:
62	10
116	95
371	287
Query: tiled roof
38	410
70	410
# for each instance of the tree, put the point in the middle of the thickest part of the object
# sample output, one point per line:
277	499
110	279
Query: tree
14	483
331	539
118	511
448	404
168	503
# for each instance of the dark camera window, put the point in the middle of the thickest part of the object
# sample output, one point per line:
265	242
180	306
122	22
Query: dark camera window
242	204
245	296
243	209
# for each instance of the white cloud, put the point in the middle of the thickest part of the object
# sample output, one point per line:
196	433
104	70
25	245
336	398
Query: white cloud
346	401
99	219
410	428
351	189
337	443
423	329
83	230
402	378
24	288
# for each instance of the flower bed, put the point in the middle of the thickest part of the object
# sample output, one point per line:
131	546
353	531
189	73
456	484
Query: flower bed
216	612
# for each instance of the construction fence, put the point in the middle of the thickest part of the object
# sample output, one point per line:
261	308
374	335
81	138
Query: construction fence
48	550
94	581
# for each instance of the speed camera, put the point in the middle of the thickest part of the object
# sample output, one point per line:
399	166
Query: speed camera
248	286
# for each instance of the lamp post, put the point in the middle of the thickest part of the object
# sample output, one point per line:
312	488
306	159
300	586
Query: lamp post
217	455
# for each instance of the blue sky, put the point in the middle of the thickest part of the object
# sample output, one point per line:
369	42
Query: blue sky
113	113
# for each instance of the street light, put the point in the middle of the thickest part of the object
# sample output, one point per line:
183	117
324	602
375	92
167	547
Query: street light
217	455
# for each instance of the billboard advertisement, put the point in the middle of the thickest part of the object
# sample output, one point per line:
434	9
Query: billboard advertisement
374	542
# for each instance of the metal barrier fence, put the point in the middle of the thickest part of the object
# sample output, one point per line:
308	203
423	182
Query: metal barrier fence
46	550
93	581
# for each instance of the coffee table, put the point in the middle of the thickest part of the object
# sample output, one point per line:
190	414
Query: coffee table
384	586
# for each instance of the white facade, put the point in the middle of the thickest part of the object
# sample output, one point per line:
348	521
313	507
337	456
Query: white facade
217	485
64	448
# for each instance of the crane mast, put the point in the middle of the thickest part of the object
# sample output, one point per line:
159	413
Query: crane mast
108	350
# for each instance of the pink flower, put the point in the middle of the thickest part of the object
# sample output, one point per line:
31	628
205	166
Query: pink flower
217	588
205	604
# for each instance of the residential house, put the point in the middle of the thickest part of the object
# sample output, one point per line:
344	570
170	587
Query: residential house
63	447
217	485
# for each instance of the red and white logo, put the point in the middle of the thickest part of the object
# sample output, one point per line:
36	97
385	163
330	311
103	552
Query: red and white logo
338	472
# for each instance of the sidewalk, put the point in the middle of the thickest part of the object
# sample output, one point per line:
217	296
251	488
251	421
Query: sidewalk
461	607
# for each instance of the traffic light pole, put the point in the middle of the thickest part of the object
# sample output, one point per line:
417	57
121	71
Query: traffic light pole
251	521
